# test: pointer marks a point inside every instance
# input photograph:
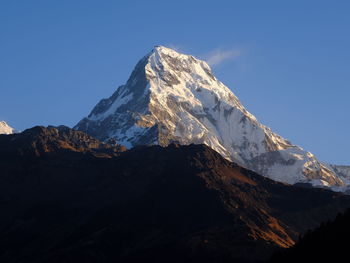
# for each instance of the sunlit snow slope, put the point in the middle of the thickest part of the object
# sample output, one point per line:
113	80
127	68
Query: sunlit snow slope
172	97
5	128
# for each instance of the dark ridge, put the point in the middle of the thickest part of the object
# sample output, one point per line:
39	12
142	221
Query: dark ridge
40	140
67	197
328	243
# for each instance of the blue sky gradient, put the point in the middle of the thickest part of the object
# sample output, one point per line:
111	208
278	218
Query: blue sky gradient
287	61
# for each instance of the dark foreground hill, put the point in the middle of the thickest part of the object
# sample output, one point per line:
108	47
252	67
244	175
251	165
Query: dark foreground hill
327	243
66	197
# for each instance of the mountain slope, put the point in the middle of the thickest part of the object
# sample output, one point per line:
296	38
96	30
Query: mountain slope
149	204
180	94
327	243
343	172
172	97
5	128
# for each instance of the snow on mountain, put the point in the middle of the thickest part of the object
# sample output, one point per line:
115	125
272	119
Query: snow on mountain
172	97
343	172
5	128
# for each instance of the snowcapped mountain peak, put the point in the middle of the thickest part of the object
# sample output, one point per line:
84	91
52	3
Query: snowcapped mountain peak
187	74
165	51
5	128
173	97
163	59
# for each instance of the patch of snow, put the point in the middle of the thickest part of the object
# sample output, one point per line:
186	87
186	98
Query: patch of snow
5	128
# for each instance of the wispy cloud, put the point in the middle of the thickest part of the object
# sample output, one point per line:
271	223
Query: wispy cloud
217	56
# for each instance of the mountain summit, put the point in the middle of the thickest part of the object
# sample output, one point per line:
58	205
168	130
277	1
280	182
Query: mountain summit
173	97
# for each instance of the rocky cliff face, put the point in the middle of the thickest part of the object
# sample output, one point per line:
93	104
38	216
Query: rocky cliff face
172	97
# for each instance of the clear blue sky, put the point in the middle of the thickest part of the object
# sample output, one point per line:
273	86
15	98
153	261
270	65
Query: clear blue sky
288	61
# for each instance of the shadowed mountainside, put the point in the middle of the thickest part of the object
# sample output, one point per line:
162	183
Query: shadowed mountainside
327	243
66	197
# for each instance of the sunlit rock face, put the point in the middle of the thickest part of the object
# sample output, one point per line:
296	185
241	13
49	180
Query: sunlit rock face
172	97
